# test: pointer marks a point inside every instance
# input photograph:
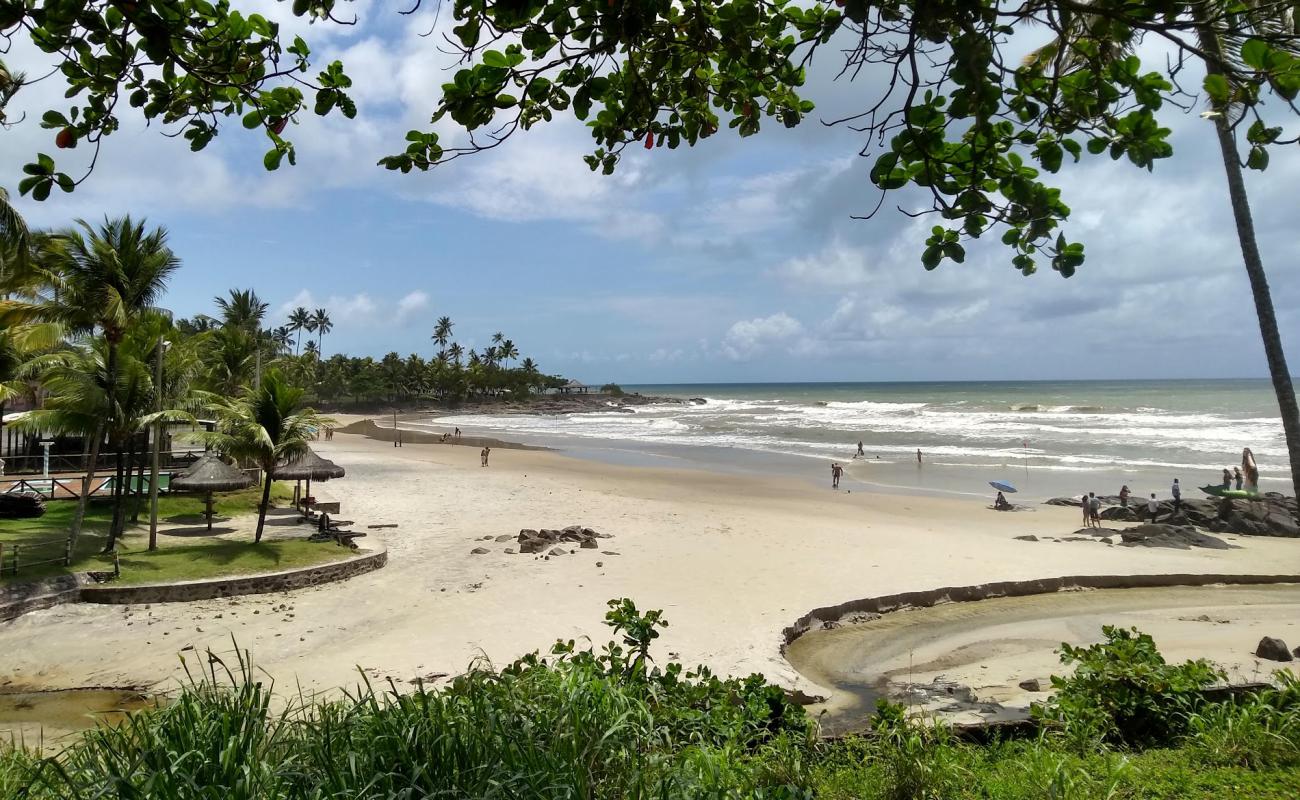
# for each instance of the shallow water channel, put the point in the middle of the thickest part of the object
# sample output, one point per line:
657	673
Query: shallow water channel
967	660
46	718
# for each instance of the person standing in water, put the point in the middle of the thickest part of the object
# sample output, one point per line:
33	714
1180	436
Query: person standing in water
861	452
836	472
918	456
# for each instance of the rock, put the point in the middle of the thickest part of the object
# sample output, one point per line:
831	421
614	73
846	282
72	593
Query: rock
1272	649
534	546
589	544
1027	538
600	563
506	538
1162	534
1121	514
487	538
510	551
556	551
549	535
608	553
1296	652
526	534
1031	685
1106	540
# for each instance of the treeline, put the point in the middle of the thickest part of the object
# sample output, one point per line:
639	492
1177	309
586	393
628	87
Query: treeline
87	347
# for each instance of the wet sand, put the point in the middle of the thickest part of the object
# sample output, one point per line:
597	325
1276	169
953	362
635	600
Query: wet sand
993	645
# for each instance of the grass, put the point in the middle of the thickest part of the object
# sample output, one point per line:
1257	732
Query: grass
178	558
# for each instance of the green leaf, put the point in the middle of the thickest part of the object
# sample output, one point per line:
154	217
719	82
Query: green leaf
931	257
495	58
1255	53
1216	86
272	158
1258	158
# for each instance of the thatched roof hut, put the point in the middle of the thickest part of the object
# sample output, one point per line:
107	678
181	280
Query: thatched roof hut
210	474
308	466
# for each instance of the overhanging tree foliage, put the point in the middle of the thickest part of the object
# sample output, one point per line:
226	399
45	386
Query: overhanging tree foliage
961	112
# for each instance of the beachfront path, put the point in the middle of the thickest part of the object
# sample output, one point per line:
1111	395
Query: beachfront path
731	559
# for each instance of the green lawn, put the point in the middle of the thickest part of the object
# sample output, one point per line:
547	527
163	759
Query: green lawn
195	555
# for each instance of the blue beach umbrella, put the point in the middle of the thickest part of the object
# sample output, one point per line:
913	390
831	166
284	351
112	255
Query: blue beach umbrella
1003	487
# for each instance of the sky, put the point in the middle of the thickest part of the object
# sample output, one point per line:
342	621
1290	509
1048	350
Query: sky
736	260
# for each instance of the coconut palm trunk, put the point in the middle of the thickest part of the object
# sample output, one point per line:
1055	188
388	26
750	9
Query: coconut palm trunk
92	458
1268	330
267	480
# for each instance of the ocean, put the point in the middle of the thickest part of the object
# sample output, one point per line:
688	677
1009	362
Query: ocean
1046	438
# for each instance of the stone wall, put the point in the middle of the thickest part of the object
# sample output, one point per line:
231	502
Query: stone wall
19	598
964	594
207	589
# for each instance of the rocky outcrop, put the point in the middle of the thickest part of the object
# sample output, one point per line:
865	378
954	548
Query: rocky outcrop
1180	537
1271	514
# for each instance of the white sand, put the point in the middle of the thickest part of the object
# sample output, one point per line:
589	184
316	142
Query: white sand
731	559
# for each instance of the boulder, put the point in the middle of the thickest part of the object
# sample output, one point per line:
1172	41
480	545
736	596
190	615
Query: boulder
1120	513
538	545
510	551
478	551
1027	538
506	538
589	544
556	551
1031	685
526	534
1163	534
1272	649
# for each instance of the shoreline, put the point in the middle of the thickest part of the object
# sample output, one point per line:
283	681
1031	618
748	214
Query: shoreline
731	559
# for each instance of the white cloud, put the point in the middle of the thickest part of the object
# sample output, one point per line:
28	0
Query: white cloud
748	338
410	303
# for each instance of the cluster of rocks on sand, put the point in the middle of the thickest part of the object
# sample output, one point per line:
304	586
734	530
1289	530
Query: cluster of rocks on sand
1271	514
1274	649
1158	534
547	542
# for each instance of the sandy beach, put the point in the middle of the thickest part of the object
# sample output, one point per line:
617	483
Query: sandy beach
731	559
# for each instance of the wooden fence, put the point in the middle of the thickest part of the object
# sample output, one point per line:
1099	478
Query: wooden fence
14	558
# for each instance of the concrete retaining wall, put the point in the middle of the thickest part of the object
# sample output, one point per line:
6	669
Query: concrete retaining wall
985	591
285	581
21	598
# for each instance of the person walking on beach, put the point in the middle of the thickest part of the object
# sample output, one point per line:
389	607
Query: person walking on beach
1153	507
1236	476
918	456
487	451
458	433
1123	496
861	452
1177	492
1227	478
836	472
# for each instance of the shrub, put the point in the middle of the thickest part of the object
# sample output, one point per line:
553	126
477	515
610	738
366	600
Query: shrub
1262	730
581	723
612	388
1123	691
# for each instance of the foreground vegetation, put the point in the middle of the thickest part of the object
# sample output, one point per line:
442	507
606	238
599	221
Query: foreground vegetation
609	723
178	557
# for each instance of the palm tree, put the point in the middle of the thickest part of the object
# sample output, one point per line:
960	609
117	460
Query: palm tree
268	426
442	332
498	338
281	337
507	351
311	349
455	352
10	83
14	237
243	309
299	319
322	325
112	275
1222	28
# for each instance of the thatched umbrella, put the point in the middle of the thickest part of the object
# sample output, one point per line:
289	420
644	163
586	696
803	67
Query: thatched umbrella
210	474
308	466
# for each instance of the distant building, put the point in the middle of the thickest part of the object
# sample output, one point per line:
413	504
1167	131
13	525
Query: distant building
575	387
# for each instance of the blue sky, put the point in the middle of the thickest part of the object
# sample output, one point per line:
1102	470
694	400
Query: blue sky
733	261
